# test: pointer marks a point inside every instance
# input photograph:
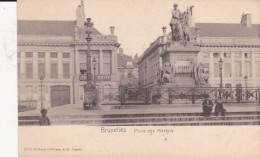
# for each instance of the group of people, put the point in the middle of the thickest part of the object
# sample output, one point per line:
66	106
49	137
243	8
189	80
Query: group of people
207	106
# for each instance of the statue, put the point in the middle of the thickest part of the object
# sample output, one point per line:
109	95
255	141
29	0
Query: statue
175	24
201	74
167	72
180	26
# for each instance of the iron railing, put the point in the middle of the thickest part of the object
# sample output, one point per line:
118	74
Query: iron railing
26	105
162	95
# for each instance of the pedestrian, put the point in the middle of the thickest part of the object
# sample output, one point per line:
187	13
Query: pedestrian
219	109
44	120
207	106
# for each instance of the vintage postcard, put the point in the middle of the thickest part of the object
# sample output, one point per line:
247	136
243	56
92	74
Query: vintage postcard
138	78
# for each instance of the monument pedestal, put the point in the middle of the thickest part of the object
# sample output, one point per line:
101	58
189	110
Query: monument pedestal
183	61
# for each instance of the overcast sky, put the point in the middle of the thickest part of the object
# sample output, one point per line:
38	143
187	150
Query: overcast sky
138	22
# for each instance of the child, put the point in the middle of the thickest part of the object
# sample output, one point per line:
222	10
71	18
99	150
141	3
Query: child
44	120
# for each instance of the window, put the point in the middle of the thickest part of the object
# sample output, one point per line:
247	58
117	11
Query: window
257	64
29	93
54	71
227	70
41	70
66	55
29	70
238	69
237	55
28	55
216	55
216	69
107	62
247	55
226	55
66	70
54	55
83	68
248	69
41	54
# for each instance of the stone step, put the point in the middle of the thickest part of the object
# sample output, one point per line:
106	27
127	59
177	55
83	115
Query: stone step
133	115
96	121
153	119
194	123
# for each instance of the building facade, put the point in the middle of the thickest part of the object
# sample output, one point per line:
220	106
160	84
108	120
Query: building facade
238	45
56	51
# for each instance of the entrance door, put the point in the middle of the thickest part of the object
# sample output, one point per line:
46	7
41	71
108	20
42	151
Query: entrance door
60	95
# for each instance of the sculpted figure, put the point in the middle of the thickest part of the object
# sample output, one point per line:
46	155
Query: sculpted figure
201	74
180	25
166	77
176	27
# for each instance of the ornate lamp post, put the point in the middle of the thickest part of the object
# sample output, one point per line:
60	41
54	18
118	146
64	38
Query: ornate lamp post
41	80
89	26
221	77
246	78
94	62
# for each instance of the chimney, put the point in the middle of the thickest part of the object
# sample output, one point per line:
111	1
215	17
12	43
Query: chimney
112	29
80	15
246	20
121	51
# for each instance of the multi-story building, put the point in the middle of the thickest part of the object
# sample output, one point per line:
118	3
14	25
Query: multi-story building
56	51
237	44
127	70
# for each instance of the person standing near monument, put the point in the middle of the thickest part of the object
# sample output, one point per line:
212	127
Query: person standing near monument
176	27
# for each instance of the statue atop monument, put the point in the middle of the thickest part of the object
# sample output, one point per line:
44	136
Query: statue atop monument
180	25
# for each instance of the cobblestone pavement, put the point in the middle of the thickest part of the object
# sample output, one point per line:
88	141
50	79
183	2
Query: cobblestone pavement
77	109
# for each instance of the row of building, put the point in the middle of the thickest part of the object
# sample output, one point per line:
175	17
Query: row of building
52	61
237	44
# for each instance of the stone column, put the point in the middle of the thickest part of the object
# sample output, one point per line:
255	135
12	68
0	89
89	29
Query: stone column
243	64
22	65
112	61
77	64
60	68
211	65
253	64
35	65
101	61
233	66
48	65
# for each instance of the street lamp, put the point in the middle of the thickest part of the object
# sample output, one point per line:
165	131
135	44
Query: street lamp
94	62
89	26
41	80
221	77
246	78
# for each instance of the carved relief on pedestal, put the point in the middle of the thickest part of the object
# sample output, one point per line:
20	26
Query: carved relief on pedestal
201	73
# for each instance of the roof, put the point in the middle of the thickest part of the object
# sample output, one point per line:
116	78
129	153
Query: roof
122	59
226	30
57	28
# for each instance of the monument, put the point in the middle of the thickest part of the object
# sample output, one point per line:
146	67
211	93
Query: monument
181	70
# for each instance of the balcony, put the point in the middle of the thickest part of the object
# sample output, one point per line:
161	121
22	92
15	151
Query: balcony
83	77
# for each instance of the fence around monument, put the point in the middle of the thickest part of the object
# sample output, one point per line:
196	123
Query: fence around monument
28	99
164	95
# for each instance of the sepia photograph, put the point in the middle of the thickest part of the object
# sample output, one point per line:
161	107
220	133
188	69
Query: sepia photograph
138	63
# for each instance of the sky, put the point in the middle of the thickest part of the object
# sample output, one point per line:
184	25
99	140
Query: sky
137	22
